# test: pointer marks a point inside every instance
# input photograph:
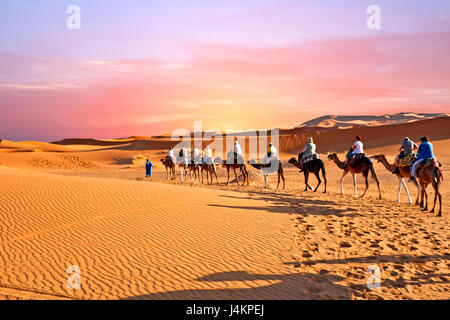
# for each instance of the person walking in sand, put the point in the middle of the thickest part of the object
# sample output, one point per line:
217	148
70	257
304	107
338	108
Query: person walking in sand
148	169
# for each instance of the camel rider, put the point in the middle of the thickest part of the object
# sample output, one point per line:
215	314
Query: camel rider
182	152
357	148
406	149
271	151
207	155
424	153
196	159
171	154
237	152
308	151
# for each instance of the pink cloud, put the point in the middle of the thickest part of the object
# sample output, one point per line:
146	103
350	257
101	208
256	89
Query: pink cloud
224	85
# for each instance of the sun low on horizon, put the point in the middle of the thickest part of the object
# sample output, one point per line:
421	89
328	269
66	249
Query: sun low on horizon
100	69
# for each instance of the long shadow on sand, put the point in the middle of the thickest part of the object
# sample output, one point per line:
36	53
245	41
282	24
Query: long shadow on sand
291	204
289	286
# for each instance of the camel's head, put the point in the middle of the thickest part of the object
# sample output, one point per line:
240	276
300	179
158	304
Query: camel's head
162	161
251	161
331	156
378	157
292	160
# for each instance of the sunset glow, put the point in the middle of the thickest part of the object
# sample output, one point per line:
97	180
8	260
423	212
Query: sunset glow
154	66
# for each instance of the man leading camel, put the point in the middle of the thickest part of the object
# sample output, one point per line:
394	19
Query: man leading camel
308	151
424	153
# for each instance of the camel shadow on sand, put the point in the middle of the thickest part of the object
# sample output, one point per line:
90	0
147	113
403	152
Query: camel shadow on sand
291	204
289	286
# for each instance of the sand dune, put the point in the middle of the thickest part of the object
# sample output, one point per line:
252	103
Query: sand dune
355	121
138	239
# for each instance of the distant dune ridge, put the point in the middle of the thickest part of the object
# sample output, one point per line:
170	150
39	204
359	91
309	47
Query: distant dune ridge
331	133
335	121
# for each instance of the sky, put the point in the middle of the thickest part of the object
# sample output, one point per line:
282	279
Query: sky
145	67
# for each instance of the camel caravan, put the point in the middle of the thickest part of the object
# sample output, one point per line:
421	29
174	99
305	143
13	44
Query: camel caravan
421	168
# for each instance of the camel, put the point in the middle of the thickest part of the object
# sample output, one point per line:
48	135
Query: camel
430	173
355	166
170	167
183	164
314	166
234	166
210	170
194	170
267	169
404	172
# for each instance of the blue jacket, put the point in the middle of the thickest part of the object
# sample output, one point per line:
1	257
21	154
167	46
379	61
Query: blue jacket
425	151
148	167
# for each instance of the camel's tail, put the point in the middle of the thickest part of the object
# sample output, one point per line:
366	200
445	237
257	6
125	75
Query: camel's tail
372	170
439	175
322	168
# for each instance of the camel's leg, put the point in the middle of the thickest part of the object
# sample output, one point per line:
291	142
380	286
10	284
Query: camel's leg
215	173
318	180
245	175
400	185
167	173
378	184
306	174
266	182
422	195
434	201
228	175
366	181
418	192
440	204
284	182
342	181
426	201
407	191
279	178
435	184
237	180
354	185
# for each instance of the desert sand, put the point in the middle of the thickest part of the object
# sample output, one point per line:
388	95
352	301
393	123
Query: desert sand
86	202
